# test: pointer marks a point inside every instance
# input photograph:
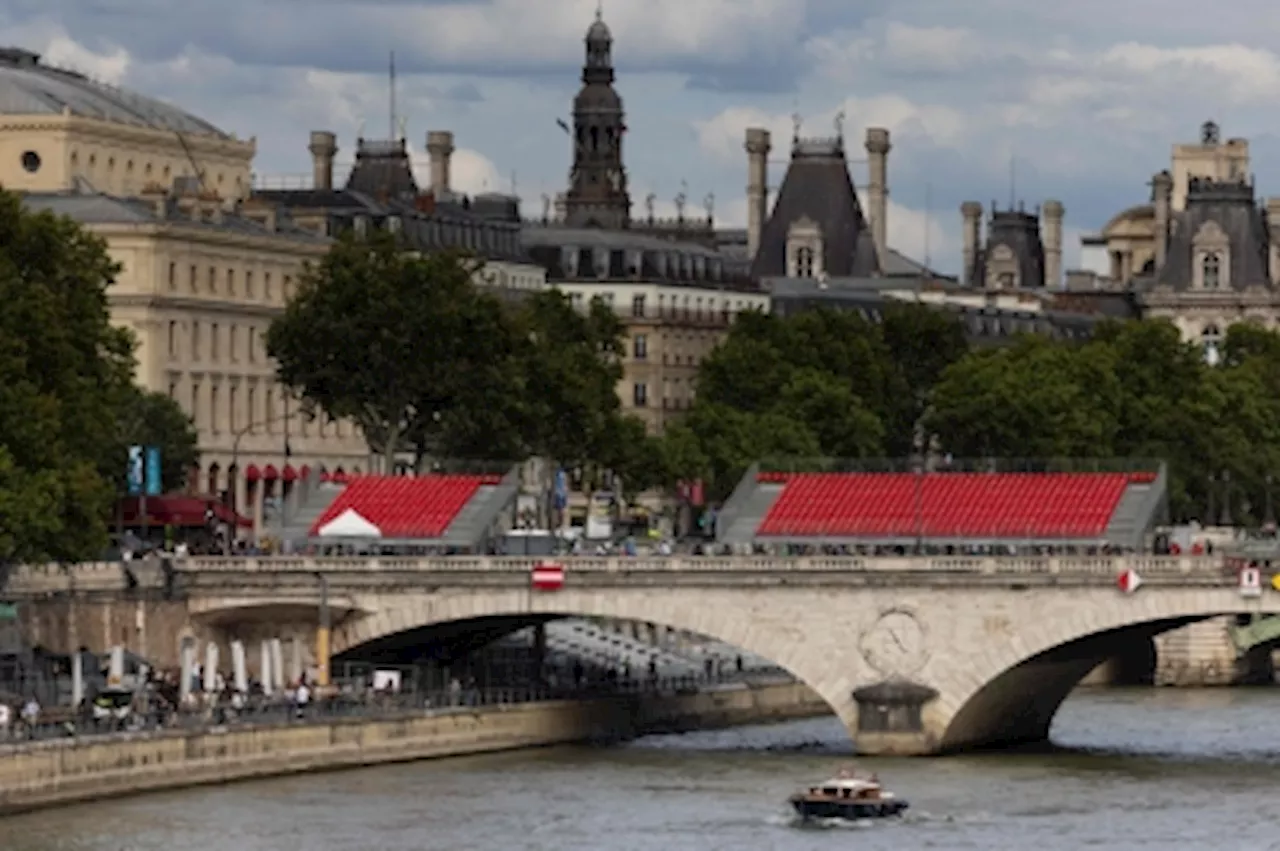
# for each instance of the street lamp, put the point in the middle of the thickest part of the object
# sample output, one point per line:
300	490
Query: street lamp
239	435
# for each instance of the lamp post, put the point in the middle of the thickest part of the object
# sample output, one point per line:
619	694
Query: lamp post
239	435
322	633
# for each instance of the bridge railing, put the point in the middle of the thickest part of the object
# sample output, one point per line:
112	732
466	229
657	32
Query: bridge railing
1073	565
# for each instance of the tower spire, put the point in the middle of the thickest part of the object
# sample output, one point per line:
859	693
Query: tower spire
392	81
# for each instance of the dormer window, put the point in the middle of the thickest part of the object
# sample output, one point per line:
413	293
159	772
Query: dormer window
635	263
804	265
1211	342
804	249
600	258
569	260
1211	271
1211	251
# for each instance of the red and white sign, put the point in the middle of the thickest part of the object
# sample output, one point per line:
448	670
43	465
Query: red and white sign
1250	582
1129	581
547	576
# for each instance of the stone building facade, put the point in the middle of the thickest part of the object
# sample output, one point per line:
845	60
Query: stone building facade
1204	252
204	268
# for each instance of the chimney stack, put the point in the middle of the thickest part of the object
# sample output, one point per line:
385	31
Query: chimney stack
1162	204
440	147
758	146
878	148
324	147
971	211
1052	212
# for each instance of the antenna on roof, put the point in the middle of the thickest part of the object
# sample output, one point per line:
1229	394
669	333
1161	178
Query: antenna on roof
1013	177
514	193
928	204
392	81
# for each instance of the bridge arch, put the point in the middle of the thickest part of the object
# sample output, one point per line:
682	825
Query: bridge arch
1012	692
494	614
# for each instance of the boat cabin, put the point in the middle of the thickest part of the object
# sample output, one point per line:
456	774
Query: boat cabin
847	788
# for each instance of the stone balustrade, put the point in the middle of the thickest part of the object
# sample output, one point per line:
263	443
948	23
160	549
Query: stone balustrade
102	577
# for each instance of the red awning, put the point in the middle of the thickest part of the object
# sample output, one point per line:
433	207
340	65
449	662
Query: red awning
252	473
339	476
326	476
304	472
289	474
182	510
270	473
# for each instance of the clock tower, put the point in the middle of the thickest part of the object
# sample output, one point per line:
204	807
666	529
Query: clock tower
597	195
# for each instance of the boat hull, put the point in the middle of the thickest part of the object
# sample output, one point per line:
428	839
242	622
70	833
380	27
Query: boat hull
809	808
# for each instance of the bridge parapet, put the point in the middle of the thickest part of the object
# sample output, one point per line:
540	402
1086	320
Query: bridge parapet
1109	566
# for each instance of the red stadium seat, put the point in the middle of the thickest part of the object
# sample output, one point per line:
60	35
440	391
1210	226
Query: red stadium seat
406	507
946	505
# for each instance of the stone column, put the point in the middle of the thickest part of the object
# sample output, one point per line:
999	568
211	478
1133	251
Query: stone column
440	147
324	147
878	188
1161	202
971	211
1052	212
758	146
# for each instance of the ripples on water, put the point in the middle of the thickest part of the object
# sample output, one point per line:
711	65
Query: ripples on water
1129	770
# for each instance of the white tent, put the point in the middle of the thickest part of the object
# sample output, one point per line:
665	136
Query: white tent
349	524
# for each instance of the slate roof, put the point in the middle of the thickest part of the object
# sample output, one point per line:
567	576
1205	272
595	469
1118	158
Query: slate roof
1233	207
100	209
1020	232
817	185
28	87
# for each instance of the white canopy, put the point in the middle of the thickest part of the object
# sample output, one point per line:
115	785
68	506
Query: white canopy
349	524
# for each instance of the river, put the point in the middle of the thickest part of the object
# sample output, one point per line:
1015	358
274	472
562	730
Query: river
1129	769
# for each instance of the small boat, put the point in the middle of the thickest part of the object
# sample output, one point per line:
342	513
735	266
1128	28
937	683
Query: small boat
848	796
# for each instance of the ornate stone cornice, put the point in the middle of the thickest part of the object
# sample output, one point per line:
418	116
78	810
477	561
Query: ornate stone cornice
127	133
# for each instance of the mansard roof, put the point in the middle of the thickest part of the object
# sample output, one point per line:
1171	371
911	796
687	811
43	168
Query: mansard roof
1229	207
1019	231
817	185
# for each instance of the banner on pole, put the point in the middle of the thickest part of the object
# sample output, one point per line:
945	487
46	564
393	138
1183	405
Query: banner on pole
154	485
134	474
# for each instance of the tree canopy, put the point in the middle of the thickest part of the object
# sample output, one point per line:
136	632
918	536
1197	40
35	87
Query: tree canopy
1134	391
426	362
816	384
64	373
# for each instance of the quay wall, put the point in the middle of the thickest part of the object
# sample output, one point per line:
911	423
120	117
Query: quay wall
44	774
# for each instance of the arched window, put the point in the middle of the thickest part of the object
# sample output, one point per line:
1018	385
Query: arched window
1211	271
1211	342
804	262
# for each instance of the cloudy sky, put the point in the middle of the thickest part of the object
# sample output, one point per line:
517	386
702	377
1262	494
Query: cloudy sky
1085	98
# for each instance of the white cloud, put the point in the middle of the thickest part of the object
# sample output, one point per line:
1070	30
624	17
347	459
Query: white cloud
470	172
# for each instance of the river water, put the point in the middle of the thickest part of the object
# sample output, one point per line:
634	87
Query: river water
1129	769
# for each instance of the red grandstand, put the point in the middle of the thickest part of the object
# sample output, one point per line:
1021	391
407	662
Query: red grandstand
944	508
447	510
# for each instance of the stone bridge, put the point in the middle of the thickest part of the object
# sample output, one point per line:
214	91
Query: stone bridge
916	655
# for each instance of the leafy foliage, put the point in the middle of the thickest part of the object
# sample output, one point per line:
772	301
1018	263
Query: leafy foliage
153	419
1134	391
424	361
64	373
819	383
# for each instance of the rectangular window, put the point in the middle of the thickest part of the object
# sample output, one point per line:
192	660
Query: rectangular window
173	339
195	341
195	282
231	282
266	285
233	343
214	411
248	285
213	341
268	416
640	347
232	394
195	404
251	410
213	280
640	394
637	306
288	287
173	276
253	345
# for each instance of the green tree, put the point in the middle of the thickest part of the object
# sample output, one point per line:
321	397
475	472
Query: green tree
63	366
717	443
921	342
569	383
393	340
153	419
1037	398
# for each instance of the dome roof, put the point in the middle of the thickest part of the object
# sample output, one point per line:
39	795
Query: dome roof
599	30
29	88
